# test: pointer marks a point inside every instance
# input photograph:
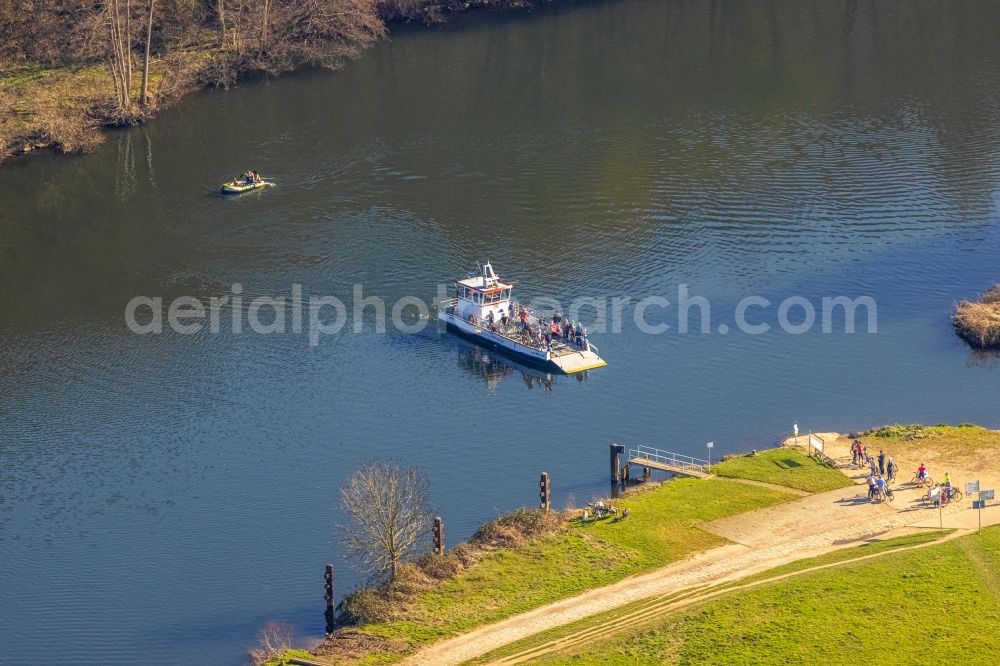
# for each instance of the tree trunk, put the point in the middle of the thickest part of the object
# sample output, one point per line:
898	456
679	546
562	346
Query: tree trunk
127	48
263	26
119	57
144	93
222	23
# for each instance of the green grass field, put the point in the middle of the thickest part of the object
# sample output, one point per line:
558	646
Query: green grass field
595	621
662	527
785	467
937	603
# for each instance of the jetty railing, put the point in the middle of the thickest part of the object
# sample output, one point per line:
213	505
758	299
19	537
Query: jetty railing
678	460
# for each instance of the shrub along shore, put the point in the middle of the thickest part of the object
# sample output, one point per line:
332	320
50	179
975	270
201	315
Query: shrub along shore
67	69
529	558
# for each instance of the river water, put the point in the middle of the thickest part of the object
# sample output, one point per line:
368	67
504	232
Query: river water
162	496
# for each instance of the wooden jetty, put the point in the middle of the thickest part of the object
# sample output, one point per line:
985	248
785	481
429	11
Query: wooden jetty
649	458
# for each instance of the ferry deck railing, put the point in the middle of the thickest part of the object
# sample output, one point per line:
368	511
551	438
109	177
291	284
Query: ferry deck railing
452	304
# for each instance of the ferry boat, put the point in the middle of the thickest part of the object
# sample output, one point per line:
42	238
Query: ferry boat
484	311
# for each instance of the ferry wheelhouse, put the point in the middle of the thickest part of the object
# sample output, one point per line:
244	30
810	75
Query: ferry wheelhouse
484	311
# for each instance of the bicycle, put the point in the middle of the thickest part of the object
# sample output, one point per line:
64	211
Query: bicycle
934	496
919	481
938	495
883	495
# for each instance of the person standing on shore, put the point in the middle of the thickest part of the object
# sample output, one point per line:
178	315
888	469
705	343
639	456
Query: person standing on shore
880	488
871	465
855	452
881	462
892	468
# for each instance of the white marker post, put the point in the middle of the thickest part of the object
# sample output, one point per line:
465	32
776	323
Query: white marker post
981	504
941	511
795	431
973	487
709	447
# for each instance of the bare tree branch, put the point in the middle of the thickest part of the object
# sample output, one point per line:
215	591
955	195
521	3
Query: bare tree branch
390	514
272	639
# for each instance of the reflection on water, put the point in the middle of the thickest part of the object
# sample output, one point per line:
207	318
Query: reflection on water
493	367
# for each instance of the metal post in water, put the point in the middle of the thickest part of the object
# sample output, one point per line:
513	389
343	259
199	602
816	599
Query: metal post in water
616	466
330	620
544	496
438	534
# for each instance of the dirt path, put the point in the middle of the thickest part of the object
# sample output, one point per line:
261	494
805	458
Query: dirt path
763	539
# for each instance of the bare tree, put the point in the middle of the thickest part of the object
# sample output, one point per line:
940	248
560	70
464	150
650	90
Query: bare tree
272	639
144	92
120	52
390	513
221	11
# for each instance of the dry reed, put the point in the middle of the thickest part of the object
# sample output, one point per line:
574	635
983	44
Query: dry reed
978	322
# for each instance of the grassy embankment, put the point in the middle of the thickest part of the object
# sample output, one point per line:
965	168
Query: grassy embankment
784	467
927	603
964	442
66	106
663	527
644	613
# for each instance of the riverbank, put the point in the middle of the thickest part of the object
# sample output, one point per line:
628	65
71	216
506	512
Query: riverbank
689	533
65	106
574	555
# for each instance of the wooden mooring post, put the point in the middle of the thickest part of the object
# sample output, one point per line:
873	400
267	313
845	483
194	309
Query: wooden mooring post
330	619
617	450
544	493
438	536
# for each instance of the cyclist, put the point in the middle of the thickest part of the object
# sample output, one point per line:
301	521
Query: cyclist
936	495
871	486
947	485
922	472
891	468
880	487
